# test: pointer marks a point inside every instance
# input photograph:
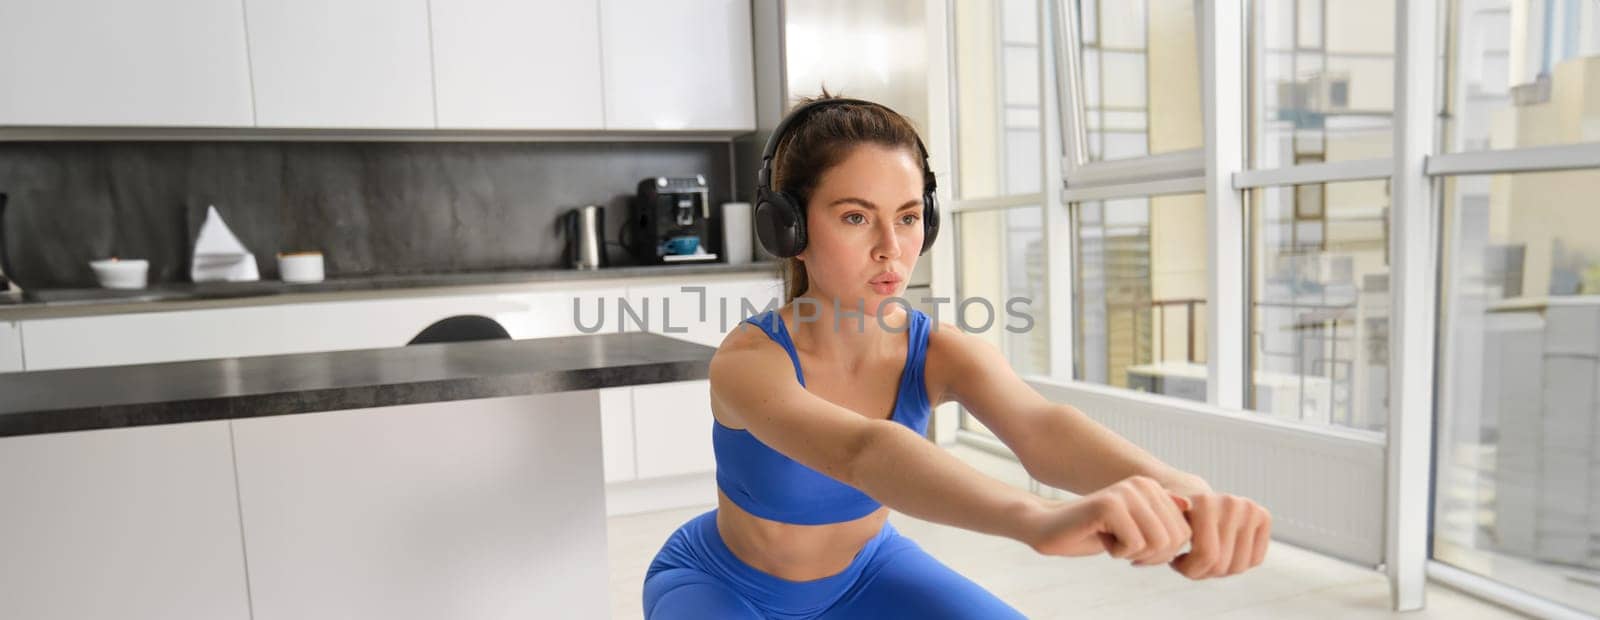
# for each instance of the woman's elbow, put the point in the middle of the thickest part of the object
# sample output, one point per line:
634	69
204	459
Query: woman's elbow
864	448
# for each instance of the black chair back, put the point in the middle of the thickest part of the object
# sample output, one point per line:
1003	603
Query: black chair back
462	328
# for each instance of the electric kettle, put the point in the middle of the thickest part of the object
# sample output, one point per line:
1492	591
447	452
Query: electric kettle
586	237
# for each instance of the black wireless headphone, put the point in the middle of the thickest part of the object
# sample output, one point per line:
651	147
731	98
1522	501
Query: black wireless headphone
781	216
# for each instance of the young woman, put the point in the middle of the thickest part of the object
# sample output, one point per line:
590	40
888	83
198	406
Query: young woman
821	410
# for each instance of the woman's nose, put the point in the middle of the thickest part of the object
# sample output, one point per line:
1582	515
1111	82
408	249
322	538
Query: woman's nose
888	243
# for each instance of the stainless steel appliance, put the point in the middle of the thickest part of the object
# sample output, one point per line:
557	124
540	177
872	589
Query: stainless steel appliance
8	288
586	237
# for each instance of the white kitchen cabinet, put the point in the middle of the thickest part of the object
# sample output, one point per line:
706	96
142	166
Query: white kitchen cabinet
672	429
104	62
341	63
491	508
151	337
10	347
616	433
121	523
683	65
517	64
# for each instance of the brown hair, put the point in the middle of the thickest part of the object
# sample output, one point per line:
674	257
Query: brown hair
821	141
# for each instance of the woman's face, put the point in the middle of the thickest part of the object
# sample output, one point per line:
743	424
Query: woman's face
864	226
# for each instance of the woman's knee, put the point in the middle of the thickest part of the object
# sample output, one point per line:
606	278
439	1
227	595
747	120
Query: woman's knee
687	593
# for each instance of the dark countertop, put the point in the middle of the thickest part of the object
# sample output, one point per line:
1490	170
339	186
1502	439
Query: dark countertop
44	303
120	396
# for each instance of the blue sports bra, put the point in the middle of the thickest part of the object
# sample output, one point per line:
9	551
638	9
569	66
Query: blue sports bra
772	486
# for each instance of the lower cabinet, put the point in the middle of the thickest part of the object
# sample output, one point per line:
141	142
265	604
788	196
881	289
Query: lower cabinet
672	429
616	433
143	338
10	346
489	508
123	523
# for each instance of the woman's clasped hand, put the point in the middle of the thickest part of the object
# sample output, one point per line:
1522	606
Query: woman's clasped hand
1139	520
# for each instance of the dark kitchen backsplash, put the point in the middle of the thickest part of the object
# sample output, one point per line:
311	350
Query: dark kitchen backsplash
371	208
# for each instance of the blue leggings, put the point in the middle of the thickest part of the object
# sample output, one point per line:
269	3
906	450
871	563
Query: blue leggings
694	575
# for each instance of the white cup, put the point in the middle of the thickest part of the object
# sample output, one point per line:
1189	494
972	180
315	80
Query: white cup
300	266
125	274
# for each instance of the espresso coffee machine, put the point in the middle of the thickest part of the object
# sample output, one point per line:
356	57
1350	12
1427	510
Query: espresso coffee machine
671	222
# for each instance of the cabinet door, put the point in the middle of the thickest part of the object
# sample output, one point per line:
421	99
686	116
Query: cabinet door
672	429
121	523
10	347
104	62
678	65
616	432
341	63
517	64
489	508
151	337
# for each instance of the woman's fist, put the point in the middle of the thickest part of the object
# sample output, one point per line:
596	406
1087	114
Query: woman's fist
1135	519
1230	536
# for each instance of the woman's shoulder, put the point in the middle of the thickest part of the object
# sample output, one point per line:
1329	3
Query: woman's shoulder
749	334
951	352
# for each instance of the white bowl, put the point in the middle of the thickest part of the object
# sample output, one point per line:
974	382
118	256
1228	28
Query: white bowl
122	274
300	267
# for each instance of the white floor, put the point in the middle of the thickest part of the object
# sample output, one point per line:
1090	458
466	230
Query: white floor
1291	583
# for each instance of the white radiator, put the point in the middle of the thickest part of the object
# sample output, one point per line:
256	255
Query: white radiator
1324	486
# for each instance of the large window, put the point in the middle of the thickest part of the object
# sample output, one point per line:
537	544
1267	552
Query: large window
1517	497
1141	291
1319	300
1518	491
1323	81
1140	78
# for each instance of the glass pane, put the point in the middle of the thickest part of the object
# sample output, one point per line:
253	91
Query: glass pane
998	106
1140	77
1319	330
1003	268
1521	74
1518	436
1141	290
1322	81
997	98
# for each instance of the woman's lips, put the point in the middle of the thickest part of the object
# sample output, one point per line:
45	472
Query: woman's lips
886	284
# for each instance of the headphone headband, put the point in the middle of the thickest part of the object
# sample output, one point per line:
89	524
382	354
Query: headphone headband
780	216
764	178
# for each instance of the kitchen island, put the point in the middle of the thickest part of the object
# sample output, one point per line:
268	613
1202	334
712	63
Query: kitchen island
447	480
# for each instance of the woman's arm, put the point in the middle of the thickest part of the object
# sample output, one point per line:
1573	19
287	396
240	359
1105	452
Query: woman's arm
1056	443
1062	447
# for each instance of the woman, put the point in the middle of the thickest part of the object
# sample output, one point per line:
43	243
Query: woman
820	414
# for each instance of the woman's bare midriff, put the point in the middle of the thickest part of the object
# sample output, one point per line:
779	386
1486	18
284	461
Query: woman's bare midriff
794	552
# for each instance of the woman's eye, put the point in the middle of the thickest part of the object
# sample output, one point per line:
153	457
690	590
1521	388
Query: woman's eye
854	215
909	219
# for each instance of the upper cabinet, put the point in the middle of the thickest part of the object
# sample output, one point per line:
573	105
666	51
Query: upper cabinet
517	64
99	63
678	65
340	63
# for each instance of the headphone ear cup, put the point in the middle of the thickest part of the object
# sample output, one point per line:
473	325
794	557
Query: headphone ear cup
930	221
779	225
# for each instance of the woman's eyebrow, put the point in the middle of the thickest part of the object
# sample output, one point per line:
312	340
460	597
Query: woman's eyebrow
868	204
